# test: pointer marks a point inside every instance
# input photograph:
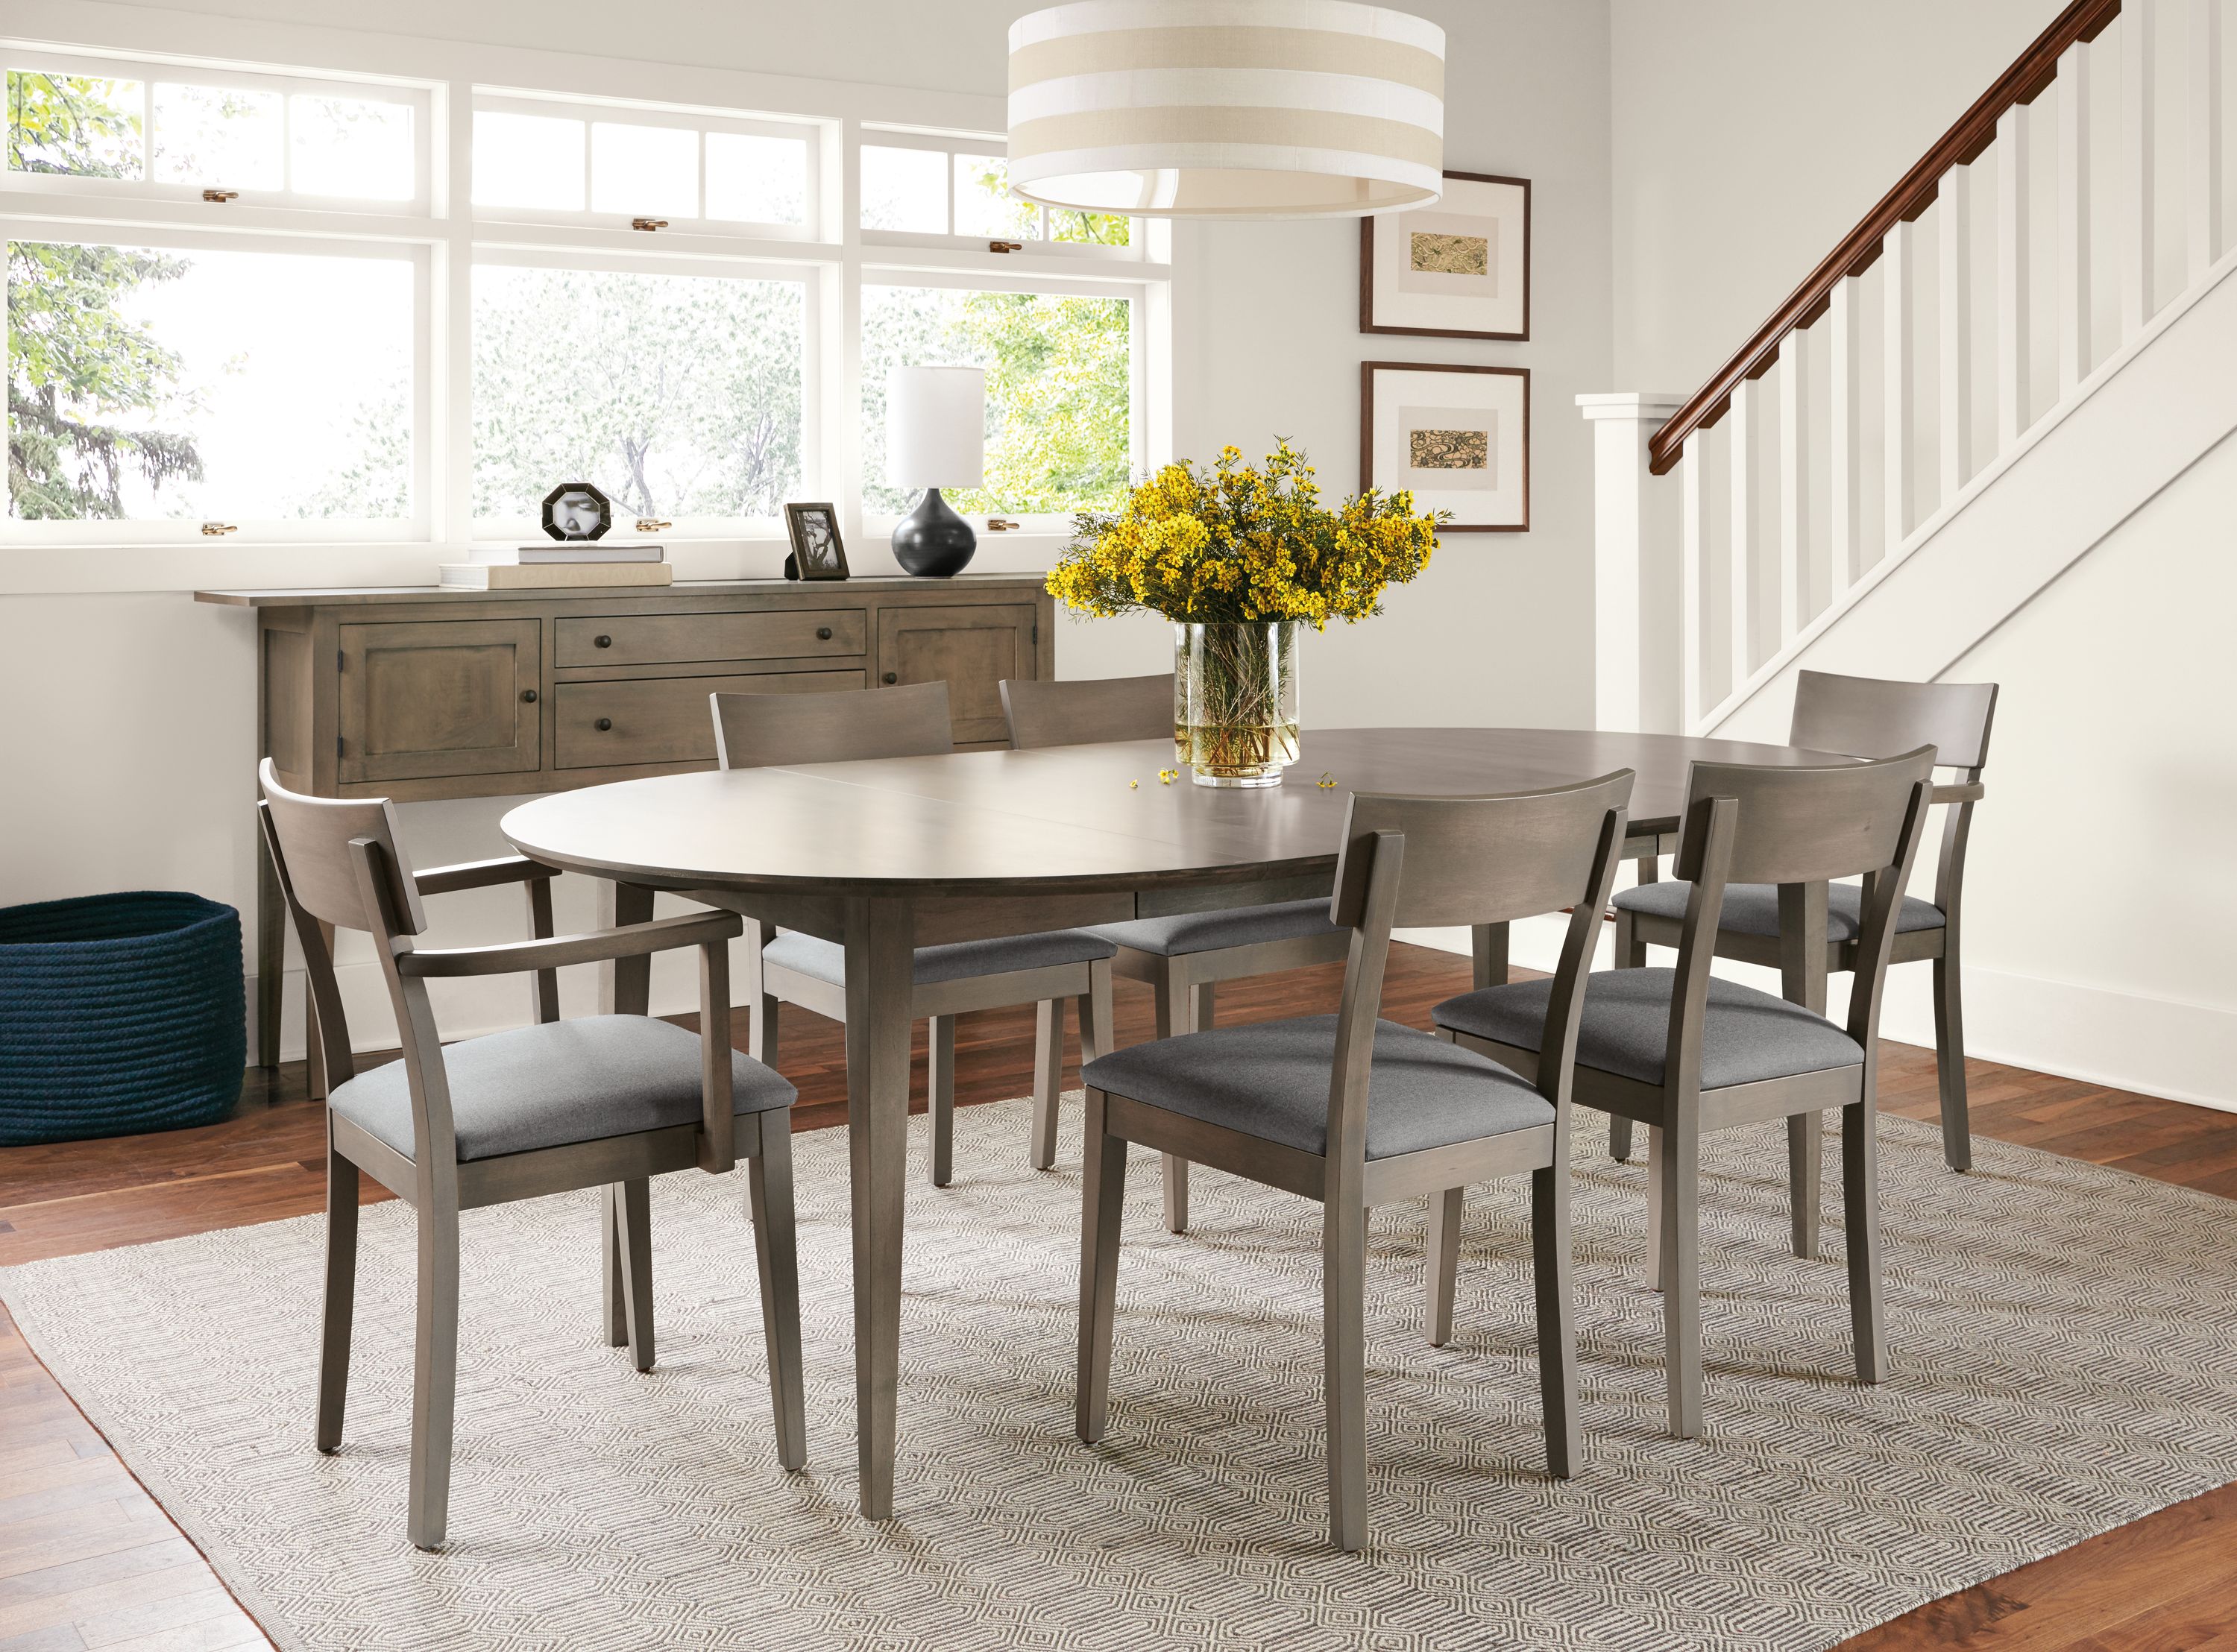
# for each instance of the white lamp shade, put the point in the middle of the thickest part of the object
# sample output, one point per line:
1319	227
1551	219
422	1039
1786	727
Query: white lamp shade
936	427
1227	109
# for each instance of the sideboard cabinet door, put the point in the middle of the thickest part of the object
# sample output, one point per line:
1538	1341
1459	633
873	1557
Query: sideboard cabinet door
972	649
439	698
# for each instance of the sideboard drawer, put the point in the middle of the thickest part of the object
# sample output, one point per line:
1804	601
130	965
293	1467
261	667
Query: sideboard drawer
661	720
675	639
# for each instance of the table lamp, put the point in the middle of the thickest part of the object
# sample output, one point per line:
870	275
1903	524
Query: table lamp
935	438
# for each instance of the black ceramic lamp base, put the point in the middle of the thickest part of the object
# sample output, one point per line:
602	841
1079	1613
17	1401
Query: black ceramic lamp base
932	541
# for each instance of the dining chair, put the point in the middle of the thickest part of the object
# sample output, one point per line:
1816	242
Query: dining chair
754	731
1860	717
1685	1052
597	1102
1181	956
1355	1111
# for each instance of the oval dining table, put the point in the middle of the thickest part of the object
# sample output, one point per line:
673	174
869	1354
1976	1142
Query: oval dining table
886	855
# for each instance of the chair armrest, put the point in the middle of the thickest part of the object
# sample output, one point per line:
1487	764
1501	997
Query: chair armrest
514	957
480	874
1970	791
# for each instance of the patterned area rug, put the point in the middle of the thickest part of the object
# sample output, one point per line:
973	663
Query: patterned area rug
2065	1340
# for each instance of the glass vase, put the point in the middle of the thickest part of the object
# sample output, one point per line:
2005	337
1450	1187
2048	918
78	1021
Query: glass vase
1235	701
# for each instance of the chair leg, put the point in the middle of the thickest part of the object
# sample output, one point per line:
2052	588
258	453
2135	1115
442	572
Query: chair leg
1805	1180
1102	1192
1950	1065
776	1254
1860	1213
1680	1153
1440	1260
435	1373
341	1298
1557	1325
1630	954
943	1084
1048	1078
1654	1208
635	1232
1343	1348
610	1272
1175	1005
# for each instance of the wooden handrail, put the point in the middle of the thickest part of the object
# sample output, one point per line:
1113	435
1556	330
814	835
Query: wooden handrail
2024	81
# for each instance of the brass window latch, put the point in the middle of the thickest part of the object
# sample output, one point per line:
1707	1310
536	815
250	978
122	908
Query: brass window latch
214	528
648	223
995	524
648	525
221	195
1005	246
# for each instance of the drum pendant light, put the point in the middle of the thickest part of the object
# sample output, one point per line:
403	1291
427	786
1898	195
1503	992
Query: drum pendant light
1226	108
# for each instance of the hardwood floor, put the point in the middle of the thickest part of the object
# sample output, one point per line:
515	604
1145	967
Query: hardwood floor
87	1560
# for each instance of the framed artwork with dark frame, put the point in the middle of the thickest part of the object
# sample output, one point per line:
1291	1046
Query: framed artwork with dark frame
817	552
1459	438
578	511
1460	269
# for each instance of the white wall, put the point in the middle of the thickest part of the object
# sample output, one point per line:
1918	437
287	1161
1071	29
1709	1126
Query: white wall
131	749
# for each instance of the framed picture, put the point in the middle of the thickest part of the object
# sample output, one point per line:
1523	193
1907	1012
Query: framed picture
816	550
1458	437
1460	269
576	510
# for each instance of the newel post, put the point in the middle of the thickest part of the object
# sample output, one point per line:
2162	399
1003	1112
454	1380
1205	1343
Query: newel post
1637	597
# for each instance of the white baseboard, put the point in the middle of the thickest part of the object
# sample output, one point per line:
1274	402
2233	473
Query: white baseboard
2183	1052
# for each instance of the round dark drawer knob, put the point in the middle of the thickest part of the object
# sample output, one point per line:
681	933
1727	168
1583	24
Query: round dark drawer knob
823	634
528	696
892	676
604	723
602	642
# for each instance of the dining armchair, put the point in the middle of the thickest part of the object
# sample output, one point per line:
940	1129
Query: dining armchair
1685	1052
1354	1111
754	731
1860	717
601	1101
1182	957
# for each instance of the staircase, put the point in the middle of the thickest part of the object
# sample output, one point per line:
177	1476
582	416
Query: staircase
1994	368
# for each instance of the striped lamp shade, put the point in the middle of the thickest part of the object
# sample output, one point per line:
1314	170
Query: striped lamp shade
1227	109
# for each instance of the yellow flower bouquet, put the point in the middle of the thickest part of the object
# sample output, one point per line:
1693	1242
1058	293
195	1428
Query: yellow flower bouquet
1240	557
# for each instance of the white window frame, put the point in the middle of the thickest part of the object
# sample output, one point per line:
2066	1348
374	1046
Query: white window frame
446	237
951	144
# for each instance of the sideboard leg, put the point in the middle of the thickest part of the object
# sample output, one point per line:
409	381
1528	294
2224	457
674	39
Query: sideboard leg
271	956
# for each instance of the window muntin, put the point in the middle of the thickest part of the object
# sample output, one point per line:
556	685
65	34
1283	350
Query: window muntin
1059	391
149	383
680	396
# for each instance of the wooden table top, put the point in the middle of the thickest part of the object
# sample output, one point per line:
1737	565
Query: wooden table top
1063	818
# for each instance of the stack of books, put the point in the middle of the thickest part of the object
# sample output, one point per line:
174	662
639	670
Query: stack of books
559	564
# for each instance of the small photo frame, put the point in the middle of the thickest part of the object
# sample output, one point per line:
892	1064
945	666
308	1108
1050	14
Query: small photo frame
1460	269
578	511
1459	438
817	552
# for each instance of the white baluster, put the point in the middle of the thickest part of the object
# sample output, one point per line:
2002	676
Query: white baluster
1955	257
1747	530
2014	337
1694	575
2073	358
2138	181
1845	430
2204	178
1898	470
1793	486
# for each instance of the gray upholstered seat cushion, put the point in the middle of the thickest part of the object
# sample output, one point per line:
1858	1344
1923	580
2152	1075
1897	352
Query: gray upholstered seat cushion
822	960
1270	1079
558	1082
1745	1035
1187	933
1752	909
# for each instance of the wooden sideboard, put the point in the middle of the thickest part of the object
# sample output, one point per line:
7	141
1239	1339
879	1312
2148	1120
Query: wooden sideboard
412	691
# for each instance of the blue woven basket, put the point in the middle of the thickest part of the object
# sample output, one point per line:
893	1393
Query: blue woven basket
118	1013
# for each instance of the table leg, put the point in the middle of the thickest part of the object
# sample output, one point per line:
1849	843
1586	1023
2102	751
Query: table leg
628	989
1489	948
1802	980
880	976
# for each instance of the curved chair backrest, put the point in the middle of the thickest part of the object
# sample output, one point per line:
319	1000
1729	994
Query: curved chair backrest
755	730
1089	711
1876	717
312	847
